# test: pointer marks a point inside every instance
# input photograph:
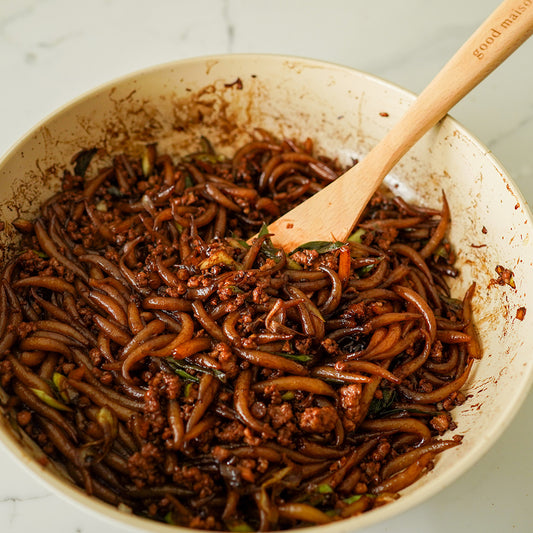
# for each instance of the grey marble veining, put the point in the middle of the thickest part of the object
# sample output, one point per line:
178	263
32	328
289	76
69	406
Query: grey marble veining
53	50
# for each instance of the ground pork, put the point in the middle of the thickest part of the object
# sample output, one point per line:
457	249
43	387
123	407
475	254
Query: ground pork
318	419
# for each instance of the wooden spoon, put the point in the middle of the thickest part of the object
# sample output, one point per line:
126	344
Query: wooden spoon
332	213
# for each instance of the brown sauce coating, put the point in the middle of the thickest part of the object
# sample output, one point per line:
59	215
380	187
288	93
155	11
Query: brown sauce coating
206	382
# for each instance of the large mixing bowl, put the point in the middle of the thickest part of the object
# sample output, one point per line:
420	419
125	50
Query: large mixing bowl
346	112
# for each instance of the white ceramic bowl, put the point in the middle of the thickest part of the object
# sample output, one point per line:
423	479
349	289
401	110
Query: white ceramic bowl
345	112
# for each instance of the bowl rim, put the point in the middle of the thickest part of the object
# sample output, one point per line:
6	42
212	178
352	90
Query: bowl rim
121	518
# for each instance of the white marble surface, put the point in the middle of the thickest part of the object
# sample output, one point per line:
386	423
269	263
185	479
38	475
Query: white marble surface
52	50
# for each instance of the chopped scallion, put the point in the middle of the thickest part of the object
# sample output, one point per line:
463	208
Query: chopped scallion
321	247
49	400
356	236
324	488
301	358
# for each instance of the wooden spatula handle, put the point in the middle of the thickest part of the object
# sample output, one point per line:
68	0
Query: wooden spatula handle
496	39
333	212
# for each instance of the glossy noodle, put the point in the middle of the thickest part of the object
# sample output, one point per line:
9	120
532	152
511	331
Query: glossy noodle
167	362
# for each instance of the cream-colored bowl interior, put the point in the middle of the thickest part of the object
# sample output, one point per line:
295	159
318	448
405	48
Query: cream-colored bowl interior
346	112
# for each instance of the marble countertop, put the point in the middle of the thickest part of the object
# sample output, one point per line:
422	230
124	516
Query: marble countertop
53	50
